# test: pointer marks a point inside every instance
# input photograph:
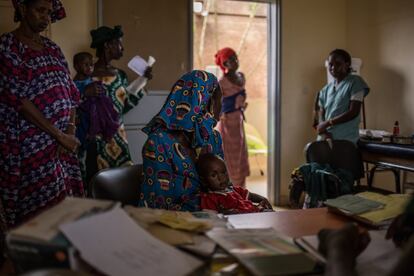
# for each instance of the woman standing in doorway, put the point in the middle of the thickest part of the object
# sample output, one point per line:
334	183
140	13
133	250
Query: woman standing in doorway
231	126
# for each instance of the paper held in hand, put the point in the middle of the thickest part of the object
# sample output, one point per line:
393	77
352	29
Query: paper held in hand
139	65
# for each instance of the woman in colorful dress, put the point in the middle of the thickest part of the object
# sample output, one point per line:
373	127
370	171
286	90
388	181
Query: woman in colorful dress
38	99
231	126
113	152
182	130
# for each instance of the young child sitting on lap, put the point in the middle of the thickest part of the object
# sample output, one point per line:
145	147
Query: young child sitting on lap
220	195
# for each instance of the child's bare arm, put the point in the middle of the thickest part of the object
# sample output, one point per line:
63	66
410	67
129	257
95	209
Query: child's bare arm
261	200
229	211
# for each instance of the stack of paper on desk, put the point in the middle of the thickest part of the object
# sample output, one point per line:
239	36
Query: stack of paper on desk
115	245
184	229
264	251
173	219
392	206
45	226
38	243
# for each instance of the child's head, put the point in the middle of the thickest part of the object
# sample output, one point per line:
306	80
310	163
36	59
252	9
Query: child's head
83	63
213	172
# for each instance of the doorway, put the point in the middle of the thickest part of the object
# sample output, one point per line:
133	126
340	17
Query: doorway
243	26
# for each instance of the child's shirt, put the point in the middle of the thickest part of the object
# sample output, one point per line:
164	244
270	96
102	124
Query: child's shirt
234	197
81	85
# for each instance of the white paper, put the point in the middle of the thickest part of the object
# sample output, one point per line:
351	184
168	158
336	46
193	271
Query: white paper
377	259
44	227
115	245
139	65
151	61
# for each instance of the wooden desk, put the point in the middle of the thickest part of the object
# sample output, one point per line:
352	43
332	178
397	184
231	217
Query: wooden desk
293	223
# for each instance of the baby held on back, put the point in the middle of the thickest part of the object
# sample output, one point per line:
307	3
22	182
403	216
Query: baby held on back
220	195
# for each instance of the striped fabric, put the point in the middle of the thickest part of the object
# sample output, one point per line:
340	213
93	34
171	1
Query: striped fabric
231	128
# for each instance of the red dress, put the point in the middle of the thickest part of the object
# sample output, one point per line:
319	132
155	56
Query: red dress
33	176
234	197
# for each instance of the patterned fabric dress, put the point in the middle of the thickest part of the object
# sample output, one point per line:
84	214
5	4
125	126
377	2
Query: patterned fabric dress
170	177
115	152
32	175
231	128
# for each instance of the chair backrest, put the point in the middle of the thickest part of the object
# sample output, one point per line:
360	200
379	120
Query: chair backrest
119	184
343	154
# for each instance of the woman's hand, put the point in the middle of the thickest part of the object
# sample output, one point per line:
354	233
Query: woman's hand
321	128
69	142
148	73
71	129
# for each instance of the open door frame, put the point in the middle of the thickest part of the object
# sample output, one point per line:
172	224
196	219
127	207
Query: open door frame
274	101
274	93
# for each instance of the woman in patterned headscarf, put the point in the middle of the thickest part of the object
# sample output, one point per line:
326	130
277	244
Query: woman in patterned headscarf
38	167
181	130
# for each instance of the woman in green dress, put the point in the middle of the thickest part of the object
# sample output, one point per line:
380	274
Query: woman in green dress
100	153
339	102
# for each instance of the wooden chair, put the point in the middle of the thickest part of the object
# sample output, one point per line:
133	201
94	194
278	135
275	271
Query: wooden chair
119	184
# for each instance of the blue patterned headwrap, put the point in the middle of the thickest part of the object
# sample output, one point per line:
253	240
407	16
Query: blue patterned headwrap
186	109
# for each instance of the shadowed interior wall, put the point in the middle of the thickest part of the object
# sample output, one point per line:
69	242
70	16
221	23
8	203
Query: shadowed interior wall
381	33
310	30
72	33
159	28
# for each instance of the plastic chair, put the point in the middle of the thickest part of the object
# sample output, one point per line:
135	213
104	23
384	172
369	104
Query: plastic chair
119	184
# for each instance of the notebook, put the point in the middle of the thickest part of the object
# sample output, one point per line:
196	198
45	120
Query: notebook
264	251
393	205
